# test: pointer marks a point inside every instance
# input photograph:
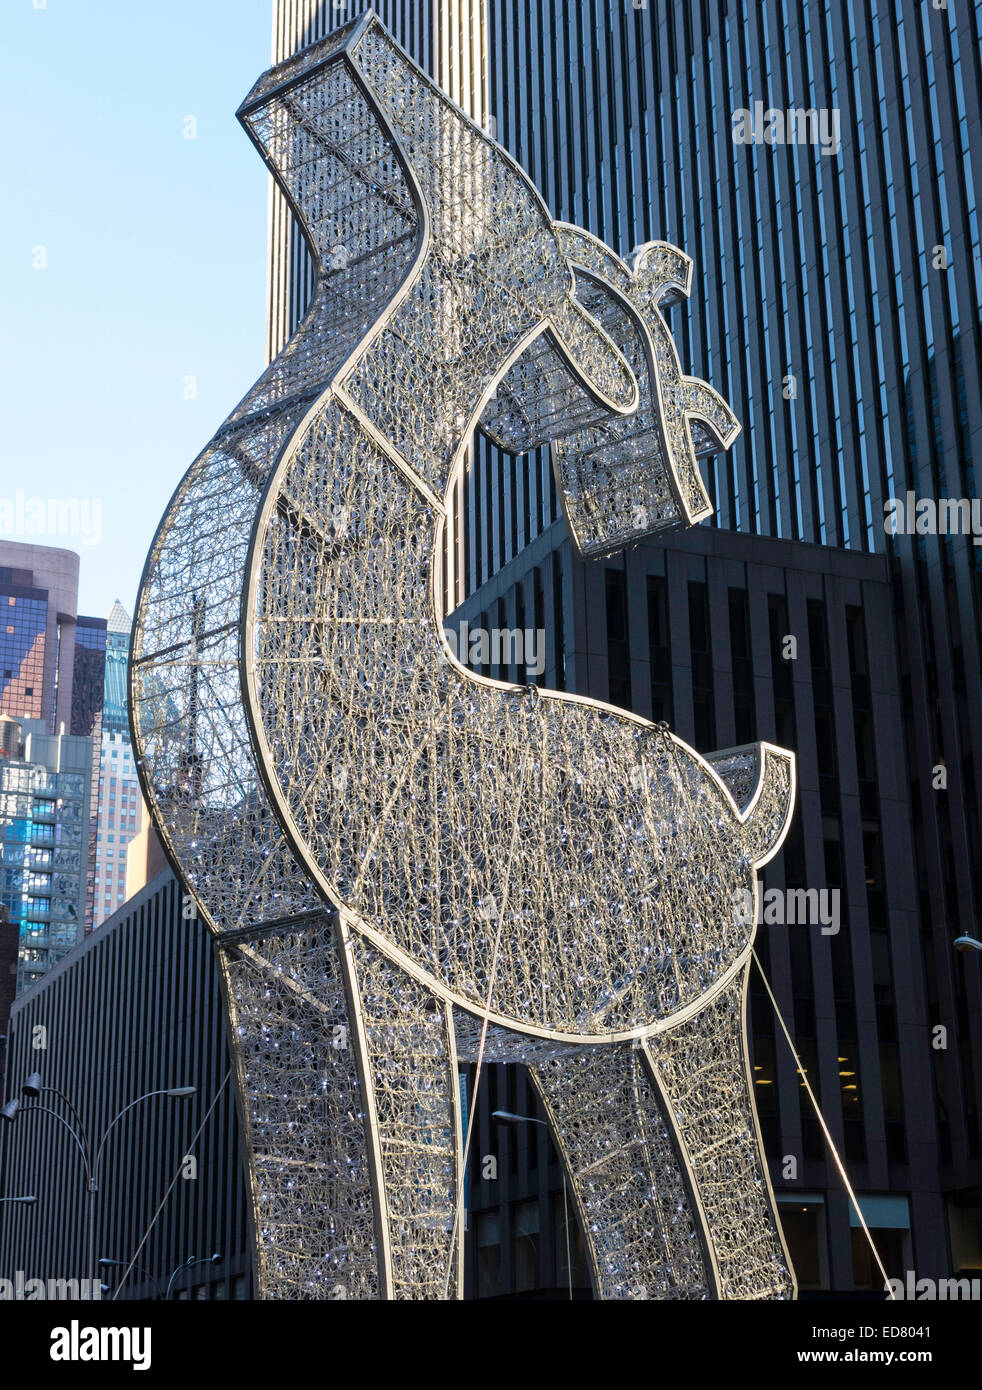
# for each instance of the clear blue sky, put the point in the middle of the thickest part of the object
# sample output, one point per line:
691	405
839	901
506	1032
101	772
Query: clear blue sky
155	248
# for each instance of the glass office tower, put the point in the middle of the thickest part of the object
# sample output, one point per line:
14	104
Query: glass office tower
52	670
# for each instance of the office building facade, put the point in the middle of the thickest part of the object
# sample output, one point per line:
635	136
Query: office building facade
45	793
9	950
120	812
52	679
39	602
838	311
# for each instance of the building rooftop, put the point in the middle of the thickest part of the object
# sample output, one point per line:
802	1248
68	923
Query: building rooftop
119	620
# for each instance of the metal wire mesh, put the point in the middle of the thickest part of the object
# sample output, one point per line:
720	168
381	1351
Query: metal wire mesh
557	868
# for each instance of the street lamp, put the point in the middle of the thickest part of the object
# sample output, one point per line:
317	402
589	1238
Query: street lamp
33	1088
508	1117
967	943
189	1263
24	1201
123	1264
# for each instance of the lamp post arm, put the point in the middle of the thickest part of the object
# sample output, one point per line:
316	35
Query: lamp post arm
79	1144
140	1269
115	1121
186	1264
53	1091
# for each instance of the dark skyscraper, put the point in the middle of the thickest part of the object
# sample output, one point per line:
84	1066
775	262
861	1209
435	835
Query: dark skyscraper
819	163
88	681
88	676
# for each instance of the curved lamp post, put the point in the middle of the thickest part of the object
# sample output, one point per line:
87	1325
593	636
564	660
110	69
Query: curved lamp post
141	1269
188	1264
125	1264
33	1089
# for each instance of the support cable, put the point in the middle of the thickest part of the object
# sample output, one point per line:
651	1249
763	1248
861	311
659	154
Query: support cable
825	1129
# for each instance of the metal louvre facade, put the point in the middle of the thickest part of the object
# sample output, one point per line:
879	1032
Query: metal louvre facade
851	282
135	1008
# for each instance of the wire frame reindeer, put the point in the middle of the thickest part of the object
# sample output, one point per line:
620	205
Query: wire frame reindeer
407	866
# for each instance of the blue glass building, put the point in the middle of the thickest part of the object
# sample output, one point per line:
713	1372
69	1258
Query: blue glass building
115	718
52	672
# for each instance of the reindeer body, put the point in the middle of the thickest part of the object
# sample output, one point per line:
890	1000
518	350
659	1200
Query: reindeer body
405	864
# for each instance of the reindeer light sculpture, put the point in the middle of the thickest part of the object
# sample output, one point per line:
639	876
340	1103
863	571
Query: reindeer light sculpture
405	865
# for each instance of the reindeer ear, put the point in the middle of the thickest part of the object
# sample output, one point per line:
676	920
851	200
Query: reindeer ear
595	358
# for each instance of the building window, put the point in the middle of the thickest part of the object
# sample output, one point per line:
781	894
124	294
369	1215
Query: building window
803	1220
488	1255
700	648
659	649
888	1221
526	1237
744	705
618	649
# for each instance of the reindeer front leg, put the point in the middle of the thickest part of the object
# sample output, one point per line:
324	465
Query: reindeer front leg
634	1201
302	1105
702	1069
663	1157
348	1089
409	1053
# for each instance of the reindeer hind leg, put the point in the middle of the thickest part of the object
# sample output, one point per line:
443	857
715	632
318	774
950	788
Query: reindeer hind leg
643	1237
